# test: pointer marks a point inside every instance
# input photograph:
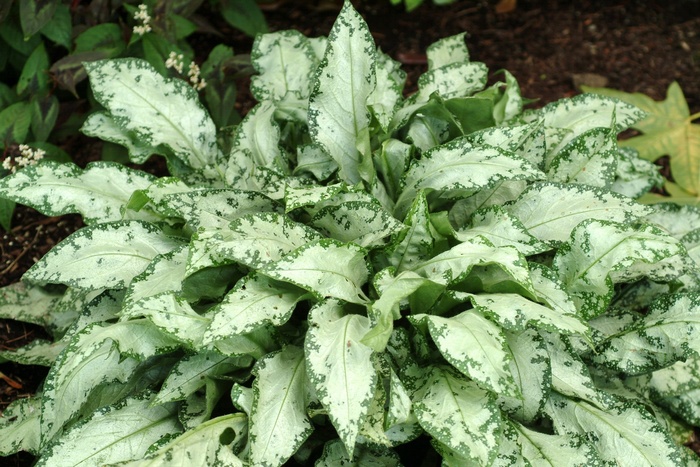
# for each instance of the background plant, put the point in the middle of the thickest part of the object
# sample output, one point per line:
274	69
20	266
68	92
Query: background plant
44	46
363	270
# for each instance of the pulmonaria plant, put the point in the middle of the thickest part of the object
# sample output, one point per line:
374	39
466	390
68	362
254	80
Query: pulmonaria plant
361	272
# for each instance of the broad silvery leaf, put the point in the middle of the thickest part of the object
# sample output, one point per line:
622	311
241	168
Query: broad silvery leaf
30	304
98	193
459	414
550	211
634	176
20	426
278	420
102	125
286	63
113	434
530	366
313	159
515	312
339	367
570	376
602	253
335	453
254	240
476	347
676	388
459	169
102	256
388	90
310	196
502	192
37	352
459	79
254	301
677	220
589	159
526	141
338	114
447	51
257	138
663	336
551	450
215	209
209	444
623	430
501	228
327	268
186	129
364	223
192	372
165	274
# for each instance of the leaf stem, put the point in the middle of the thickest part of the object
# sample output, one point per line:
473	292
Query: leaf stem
693	117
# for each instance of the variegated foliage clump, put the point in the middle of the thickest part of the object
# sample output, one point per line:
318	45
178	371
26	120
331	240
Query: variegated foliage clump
358	271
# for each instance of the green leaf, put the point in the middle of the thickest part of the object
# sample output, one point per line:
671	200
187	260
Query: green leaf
113	434
253	302
660	338
459	414
244	15
589	159
602	253
459	169
339	367
106	37
59	28
35	73
136	97
278	421
44	116
209	443
15	120
102	256
338	114
391	162
35	14
476	347
325	267
621	431
98	193
7	210
550	211
19	426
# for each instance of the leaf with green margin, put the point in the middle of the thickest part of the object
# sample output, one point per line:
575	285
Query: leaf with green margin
98	193
589	159
258	136
325	267
38	352
459	169
113	434
94	356
253	302
339	367
502	229
550	211
475	346
102	125
286	63
391	162
338	115
578	114
208	443
256	344
541	449
388	92
459	414
635	176
677	220
192	372
102	256
335	454
415	244
623	430
278	421
20	426
254	240
364	223
550	290
660	338
137	97
510	102
30	304
501	193
447	51
295	198
570	376
532	373
455	264
172	315
515	313
164	274
526	141
312	159
602	253
459	79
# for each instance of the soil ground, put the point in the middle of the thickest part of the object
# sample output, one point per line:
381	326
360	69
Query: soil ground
550	46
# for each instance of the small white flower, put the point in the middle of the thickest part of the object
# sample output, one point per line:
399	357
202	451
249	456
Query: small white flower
197	82
175	61
142	16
